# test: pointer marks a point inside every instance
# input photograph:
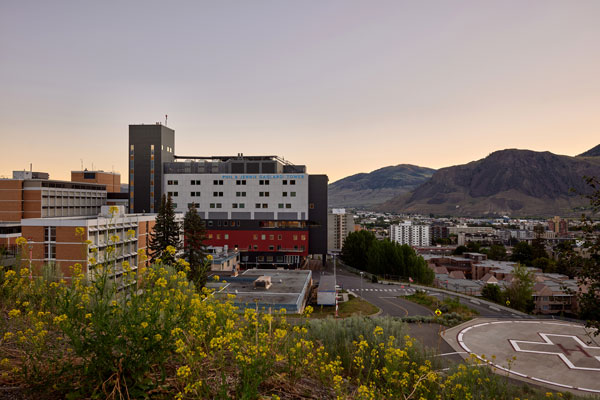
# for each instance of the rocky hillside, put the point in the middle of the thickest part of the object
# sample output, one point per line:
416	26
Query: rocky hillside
370	189
507	182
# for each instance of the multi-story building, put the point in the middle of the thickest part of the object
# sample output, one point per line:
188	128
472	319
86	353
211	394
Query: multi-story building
111	180
339	225
271	210
558	226
412	235
61	241
33	195
149	147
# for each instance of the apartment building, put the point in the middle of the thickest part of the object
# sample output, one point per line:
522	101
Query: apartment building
339	225
412	235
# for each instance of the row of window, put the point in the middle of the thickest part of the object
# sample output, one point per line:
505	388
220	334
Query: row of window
262	224
255	247
242	205
237	194
255	237
237	182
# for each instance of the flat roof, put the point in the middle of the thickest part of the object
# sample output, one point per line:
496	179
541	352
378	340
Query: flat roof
287	290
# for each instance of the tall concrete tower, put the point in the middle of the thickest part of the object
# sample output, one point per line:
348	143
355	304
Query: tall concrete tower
149	147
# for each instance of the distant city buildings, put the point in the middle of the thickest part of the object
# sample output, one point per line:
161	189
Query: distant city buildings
410	234
558	226
339	225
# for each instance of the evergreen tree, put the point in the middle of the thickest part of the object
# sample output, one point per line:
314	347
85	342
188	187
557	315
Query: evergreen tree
194	234
164	240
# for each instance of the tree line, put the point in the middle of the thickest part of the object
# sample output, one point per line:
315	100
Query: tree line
361	250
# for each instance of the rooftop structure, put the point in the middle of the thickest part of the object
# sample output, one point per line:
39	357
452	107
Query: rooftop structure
288	290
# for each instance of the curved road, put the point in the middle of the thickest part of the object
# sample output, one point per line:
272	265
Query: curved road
385	296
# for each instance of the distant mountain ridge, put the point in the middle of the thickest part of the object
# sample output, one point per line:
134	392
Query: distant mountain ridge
513	182
376	187
593	152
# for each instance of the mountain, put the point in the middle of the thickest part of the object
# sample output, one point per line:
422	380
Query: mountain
507	182
367	190
593	152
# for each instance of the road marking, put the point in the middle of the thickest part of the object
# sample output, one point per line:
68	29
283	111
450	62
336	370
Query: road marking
449	354
474	301
461	342
394	304
494	308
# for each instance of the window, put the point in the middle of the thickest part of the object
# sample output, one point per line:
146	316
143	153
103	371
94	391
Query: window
292	182
210	235
217	194
218	236
255	247
240	182
212	205
285	181
226	236
242	205
263	237
284	194
233	224
50	234
271	237
240	194
234	205
257	205
295	237
302	237
265	205
280	205
218	182
193	205
195	182
288	205
278	237
219	205
311	206
195	194
263	194
263	182
260	258
172	182
210	223
255	237
293	194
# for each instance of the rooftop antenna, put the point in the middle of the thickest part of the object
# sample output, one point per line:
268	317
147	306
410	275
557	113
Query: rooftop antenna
166	117
30	167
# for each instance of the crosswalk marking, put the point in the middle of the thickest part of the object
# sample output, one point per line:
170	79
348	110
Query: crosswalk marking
407	290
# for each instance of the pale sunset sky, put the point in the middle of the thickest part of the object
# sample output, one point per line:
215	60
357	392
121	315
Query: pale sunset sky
341	86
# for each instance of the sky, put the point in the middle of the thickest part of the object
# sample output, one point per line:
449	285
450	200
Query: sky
340	86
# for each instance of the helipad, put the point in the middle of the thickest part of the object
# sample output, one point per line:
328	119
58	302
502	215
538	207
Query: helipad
559	355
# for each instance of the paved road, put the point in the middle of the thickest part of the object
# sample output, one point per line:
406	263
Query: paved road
385	297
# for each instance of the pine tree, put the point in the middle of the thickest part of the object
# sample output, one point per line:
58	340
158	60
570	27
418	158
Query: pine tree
165	237
194	249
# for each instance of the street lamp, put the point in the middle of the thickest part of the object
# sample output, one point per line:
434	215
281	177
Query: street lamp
361	285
